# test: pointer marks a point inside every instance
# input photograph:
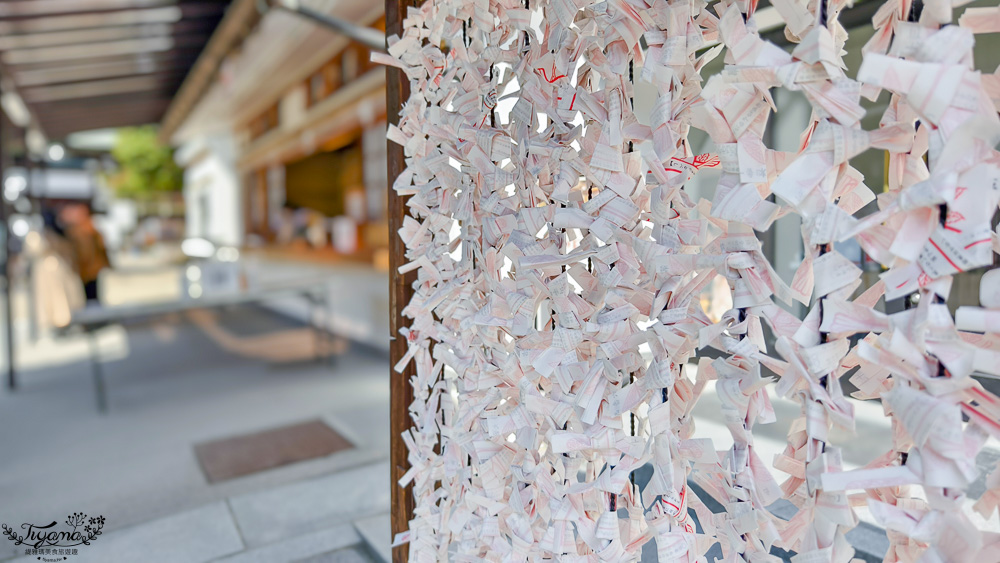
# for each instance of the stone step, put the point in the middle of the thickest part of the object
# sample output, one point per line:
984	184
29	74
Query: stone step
314	504
346	555
300	548
194	536
376	531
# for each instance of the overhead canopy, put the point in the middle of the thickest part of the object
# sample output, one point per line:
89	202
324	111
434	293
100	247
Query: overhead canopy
88	64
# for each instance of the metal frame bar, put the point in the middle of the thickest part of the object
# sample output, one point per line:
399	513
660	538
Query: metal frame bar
371	38
400	292
97	369
8	343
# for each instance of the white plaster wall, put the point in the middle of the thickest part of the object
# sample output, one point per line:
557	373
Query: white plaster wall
213	195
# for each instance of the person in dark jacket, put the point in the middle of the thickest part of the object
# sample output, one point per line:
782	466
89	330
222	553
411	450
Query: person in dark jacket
89	252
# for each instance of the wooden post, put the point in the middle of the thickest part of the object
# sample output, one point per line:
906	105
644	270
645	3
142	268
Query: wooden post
400	291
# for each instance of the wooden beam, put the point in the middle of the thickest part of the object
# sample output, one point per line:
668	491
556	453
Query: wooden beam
85	51
98	88
49	7
102	104
58	119
92	50
184	53
44	8
240	17
328	118
58	130
168	14
111	68
89	35
62	121
400	292
203	26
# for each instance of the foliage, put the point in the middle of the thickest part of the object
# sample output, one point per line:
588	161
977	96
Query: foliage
145	165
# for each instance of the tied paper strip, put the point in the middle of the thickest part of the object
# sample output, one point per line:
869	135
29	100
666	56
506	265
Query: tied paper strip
560	263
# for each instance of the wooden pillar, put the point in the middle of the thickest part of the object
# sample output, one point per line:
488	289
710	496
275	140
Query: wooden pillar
400	291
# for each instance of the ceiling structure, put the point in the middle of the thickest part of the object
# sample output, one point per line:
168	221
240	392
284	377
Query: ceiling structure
89	64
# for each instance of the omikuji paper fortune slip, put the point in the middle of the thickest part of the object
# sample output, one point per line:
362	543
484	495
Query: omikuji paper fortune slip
556	319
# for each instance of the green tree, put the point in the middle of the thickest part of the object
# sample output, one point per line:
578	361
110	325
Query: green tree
145	166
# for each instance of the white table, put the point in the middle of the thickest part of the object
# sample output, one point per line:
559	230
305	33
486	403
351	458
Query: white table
96	316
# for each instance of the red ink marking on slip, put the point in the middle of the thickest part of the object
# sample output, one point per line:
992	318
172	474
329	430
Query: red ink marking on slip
954	265
959	192
461	140
951	218
971	244
674	506
546	76
706	160
573	101
839	321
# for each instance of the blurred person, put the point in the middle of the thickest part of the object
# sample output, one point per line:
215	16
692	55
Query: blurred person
57	291
88	247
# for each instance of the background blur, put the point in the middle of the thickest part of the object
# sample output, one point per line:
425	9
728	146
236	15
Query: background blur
228	395
212	175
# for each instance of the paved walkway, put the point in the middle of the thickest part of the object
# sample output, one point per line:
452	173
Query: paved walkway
171	386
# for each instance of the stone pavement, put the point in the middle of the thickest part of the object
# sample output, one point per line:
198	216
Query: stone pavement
218	531
170	387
